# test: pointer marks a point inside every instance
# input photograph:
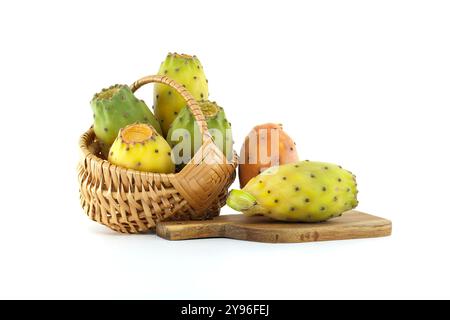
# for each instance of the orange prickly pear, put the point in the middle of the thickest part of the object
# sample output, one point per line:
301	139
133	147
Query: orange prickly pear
265	146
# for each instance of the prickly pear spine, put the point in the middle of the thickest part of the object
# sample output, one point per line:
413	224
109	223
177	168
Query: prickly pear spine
186	70
140	147
303	191
115	108
184	134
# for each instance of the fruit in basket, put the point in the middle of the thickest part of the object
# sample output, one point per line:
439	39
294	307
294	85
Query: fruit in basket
115	108
184	134
187	71
266	145
140	147
302	191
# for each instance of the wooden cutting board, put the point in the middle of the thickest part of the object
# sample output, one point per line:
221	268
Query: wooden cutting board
351	225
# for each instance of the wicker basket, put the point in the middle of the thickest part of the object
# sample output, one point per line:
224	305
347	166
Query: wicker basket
131	201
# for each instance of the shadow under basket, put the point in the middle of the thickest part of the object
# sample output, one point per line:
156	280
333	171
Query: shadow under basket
131	201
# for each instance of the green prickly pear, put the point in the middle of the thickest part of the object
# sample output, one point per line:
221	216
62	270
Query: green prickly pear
303	191
184	132
186	70
115	108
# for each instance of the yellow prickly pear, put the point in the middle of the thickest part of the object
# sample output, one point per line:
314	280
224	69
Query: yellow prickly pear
303	191
187	71
140	147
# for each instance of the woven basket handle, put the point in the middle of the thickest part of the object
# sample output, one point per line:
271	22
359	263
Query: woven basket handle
190	100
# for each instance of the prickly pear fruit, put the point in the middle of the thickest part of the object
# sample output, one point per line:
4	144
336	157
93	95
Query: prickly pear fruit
267	145
115	108
184	134
186	70
301	191
140	147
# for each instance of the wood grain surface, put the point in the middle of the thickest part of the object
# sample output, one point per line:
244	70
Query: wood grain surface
351	225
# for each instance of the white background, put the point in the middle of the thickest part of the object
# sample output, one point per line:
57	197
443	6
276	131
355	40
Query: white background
364	84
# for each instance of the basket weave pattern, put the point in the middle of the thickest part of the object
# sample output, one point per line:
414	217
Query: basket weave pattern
131	201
